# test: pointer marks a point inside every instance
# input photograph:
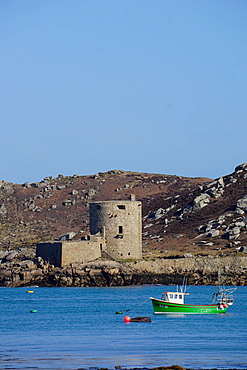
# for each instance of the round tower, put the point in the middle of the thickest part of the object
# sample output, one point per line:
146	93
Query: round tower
121	223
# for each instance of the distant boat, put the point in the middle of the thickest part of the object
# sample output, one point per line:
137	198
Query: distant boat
173	302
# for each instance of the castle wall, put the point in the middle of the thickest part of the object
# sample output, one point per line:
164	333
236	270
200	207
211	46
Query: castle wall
50	252
81	251
122	223
64	253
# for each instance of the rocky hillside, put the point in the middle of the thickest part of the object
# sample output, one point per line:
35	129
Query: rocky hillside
181	216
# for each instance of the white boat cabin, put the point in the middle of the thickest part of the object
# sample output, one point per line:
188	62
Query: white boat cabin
174	297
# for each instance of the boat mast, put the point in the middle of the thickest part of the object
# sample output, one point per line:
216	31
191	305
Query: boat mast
184	286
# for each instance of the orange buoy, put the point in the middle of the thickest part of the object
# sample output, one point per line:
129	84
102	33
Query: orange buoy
126	319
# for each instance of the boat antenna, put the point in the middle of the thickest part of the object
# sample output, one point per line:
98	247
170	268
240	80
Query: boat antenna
183	288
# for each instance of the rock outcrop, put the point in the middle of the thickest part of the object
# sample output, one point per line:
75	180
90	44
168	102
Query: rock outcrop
220	204
198	270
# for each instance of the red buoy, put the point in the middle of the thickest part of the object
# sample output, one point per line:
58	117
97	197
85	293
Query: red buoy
126	319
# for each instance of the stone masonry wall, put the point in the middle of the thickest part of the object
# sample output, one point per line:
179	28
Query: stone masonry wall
81	251
50	252
122	221
64	253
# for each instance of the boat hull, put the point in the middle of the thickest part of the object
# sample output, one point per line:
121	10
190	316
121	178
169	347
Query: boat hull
163	307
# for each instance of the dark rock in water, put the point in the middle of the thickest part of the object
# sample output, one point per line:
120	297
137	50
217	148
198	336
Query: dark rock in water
141	319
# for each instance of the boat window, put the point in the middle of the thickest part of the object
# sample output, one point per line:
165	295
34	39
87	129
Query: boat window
175	296
120	229
121	206
171	296
180	296
165	296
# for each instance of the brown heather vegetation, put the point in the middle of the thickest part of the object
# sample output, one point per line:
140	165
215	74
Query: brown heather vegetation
31	213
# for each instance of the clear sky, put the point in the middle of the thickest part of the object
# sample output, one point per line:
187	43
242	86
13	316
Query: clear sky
155	86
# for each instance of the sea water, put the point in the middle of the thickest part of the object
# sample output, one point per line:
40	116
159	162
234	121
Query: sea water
79	328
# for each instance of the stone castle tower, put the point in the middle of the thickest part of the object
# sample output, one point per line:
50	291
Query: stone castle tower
120	222
115	232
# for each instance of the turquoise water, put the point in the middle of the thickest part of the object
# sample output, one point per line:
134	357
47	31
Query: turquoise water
78	328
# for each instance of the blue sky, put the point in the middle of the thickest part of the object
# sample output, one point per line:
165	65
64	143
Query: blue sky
141	85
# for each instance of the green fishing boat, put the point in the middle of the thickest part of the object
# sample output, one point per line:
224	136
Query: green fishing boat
173	302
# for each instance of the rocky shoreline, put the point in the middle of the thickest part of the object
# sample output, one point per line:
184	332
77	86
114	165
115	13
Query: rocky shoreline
173	367
168	271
